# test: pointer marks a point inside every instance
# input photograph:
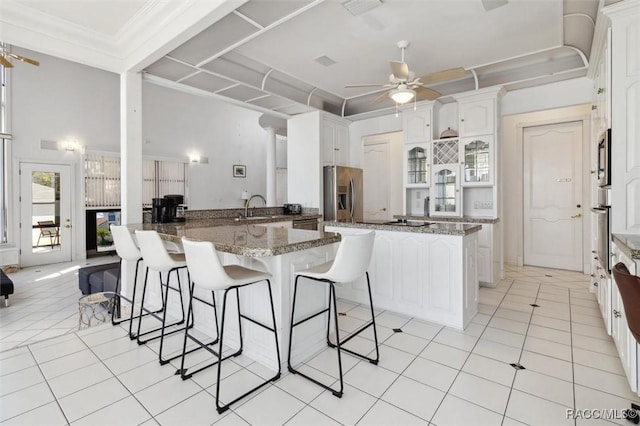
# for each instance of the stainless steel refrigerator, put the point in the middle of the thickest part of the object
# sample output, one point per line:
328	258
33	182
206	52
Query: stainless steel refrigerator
343	194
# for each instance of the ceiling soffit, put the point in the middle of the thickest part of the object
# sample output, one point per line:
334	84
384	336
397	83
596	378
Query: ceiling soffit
227	53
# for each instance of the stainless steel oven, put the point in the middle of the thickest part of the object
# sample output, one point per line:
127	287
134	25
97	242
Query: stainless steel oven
604	159
602	219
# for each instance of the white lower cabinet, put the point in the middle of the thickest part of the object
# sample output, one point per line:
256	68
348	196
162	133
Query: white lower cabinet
433	277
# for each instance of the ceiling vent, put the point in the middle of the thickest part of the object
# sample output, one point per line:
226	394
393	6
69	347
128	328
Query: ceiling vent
358	7
325	60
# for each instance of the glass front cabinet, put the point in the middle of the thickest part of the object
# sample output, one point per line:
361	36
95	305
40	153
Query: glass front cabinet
416	163
476	156
445	190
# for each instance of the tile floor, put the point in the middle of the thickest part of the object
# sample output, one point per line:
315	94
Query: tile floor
428	374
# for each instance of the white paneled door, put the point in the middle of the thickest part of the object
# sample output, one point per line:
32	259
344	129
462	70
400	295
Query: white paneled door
45	213
376	177
553	196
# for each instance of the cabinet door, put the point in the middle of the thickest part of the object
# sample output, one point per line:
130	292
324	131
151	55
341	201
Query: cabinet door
328	143
624	340
477	159
416	165
445	197
341	146
477	117
417	126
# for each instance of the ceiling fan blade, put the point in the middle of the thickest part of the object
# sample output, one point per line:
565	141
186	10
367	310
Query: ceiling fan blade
4	62
365	85
381	97
400	70
23	59
445	75
426	93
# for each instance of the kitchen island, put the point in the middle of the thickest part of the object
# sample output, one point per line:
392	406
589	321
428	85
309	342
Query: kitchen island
280	251
425	270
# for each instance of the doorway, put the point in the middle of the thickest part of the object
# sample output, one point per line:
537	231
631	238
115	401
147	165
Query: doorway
552	196
45	213
382	162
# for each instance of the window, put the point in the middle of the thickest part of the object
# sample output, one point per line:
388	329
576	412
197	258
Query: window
159	178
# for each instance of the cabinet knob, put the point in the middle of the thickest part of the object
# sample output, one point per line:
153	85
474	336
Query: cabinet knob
601	277
616	314
594	107
600	90
428	124
462	119
595	284
593	172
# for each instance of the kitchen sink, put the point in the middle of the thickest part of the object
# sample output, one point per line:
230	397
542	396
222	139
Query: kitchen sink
408	223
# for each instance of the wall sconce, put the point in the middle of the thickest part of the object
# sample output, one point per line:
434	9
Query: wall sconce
194	157
70	145
244	197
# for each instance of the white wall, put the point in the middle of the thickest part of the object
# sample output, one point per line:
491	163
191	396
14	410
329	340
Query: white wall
53	102
554	95
175	124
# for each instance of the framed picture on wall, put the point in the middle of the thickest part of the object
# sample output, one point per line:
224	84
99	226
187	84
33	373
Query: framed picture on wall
239	171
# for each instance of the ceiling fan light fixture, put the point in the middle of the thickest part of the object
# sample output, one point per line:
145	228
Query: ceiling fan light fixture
402	95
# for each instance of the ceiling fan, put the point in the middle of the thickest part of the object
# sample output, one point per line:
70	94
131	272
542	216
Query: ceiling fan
5	55
404	87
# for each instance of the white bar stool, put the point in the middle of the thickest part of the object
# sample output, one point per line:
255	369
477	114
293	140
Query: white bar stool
157	259
351	263
126	249
207	273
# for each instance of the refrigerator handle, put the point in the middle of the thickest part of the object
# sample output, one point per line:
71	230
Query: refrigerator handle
353	198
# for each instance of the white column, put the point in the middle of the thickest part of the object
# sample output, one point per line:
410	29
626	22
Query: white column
271	166
131	146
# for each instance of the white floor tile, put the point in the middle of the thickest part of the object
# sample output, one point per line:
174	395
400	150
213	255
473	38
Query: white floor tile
26	399
508	324
444	354
455	339
597	360
259	410
20	379
543	386
536	411
394	359
165	394
604	381
66	364
587	398
301	388
309	416
551	334
407	343
79	379
414	397
606	347
127	411
130	360
16	363
544	321
327	362
85	401
431	373
456	411
200	409
547	365
391	320
490	369
370	378
497	351
384	414
422	329
45	415
547	347
504	337
346	410
480	391
235	385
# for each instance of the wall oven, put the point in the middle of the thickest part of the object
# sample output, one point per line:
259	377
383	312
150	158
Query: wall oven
602	220
604	159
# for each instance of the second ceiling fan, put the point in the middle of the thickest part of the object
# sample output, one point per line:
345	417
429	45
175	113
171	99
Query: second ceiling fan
404	87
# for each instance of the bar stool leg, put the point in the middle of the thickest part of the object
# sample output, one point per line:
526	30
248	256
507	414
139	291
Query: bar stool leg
332	294
144	293
293	314
219	408
275	331
373	321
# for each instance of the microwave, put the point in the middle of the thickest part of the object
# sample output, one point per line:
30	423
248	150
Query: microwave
604	159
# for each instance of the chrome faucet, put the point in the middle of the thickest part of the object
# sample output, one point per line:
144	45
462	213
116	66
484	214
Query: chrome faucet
246	206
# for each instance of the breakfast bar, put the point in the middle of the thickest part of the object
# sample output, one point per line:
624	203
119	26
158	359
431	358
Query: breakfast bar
281	252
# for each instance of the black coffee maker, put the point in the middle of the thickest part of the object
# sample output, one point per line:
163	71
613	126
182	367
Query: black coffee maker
165	210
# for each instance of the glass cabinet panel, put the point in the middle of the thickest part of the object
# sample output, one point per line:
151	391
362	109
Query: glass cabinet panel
445	188
417	166
476	161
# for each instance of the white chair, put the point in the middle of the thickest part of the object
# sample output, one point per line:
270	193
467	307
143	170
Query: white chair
207	273
351	263
157	259
127	250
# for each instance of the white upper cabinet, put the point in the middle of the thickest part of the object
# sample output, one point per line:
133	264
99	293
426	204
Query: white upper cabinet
417	125
477	117
445	187
477	160
416	165
335	143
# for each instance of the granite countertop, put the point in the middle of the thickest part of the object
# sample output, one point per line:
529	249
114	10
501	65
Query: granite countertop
629	244
432	228
242	239
463	219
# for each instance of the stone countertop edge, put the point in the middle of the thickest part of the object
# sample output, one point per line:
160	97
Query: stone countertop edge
436	228
629	244
463	219
245	239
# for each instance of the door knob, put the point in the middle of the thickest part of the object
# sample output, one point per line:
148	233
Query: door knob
67	224
384	209
576	215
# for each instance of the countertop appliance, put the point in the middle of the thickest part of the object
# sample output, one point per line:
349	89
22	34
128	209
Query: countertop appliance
292	209
604	159
165	210
343	193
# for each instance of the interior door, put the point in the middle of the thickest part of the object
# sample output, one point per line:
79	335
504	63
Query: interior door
376	181
45	213
553	196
